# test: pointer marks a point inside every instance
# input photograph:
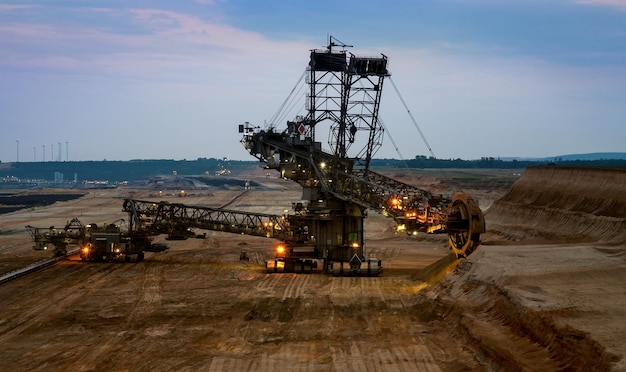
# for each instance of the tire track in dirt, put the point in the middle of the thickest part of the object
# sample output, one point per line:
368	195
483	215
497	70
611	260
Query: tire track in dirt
61	294
149	297
151	290
397	359
346	287
352	357
269	283
287	358
296	286
373	305
415	356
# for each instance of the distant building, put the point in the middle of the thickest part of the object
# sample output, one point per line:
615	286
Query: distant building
58	177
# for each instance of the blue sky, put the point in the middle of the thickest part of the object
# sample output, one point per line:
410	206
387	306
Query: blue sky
122	80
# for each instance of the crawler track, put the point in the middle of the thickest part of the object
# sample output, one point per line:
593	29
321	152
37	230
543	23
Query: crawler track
37	266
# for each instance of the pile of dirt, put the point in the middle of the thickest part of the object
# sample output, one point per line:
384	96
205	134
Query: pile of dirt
562	204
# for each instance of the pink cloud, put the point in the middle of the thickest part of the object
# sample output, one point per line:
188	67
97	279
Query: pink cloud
162	43
9	7
190	29
620	4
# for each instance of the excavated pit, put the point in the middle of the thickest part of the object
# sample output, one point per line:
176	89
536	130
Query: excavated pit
544	292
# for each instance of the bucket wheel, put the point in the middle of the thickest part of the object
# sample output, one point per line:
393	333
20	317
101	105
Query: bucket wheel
465	222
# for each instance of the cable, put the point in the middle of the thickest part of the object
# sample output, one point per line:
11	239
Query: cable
393	142
294	99
412	118
282	106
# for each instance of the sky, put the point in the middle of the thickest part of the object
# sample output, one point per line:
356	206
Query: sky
122	80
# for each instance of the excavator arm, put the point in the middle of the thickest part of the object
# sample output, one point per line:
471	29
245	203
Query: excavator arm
175	220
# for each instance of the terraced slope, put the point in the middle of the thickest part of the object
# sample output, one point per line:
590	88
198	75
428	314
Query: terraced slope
563	204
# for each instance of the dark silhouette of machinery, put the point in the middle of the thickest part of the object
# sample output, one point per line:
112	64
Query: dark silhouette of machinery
96	243
338	186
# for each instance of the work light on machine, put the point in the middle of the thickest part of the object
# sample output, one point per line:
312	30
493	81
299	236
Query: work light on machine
280	250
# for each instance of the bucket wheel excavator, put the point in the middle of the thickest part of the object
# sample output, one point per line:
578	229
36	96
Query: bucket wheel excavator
344	94
338	187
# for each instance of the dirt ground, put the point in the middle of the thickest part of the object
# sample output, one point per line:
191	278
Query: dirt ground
545	290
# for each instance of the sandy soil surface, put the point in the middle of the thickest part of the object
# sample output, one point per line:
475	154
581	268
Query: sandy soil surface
544	292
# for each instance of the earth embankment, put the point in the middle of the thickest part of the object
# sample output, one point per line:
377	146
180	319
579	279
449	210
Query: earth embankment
562	204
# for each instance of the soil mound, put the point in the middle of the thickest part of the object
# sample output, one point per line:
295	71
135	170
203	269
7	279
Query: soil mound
562	204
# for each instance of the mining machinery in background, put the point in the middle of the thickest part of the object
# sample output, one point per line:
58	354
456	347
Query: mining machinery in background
108	242
338	187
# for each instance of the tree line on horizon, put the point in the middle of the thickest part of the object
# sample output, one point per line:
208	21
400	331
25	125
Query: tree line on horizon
421	161
133	170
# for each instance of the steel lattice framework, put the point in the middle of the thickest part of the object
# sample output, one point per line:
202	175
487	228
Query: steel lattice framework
174	218
346	90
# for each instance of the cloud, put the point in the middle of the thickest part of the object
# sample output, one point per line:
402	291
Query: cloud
619	4
133	70
139	43
10	7
191	30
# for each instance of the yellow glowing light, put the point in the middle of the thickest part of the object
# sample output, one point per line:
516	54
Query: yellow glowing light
280	249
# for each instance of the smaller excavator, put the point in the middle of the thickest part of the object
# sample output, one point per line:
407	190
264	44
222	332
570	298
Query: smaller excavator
96	243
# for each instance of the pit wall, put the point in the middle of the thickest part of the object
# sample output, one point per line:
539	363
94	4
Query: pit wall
550	203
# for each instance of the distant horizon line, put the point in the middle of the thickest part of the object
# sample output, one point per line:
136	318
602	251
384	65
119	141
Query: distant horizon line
587	156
